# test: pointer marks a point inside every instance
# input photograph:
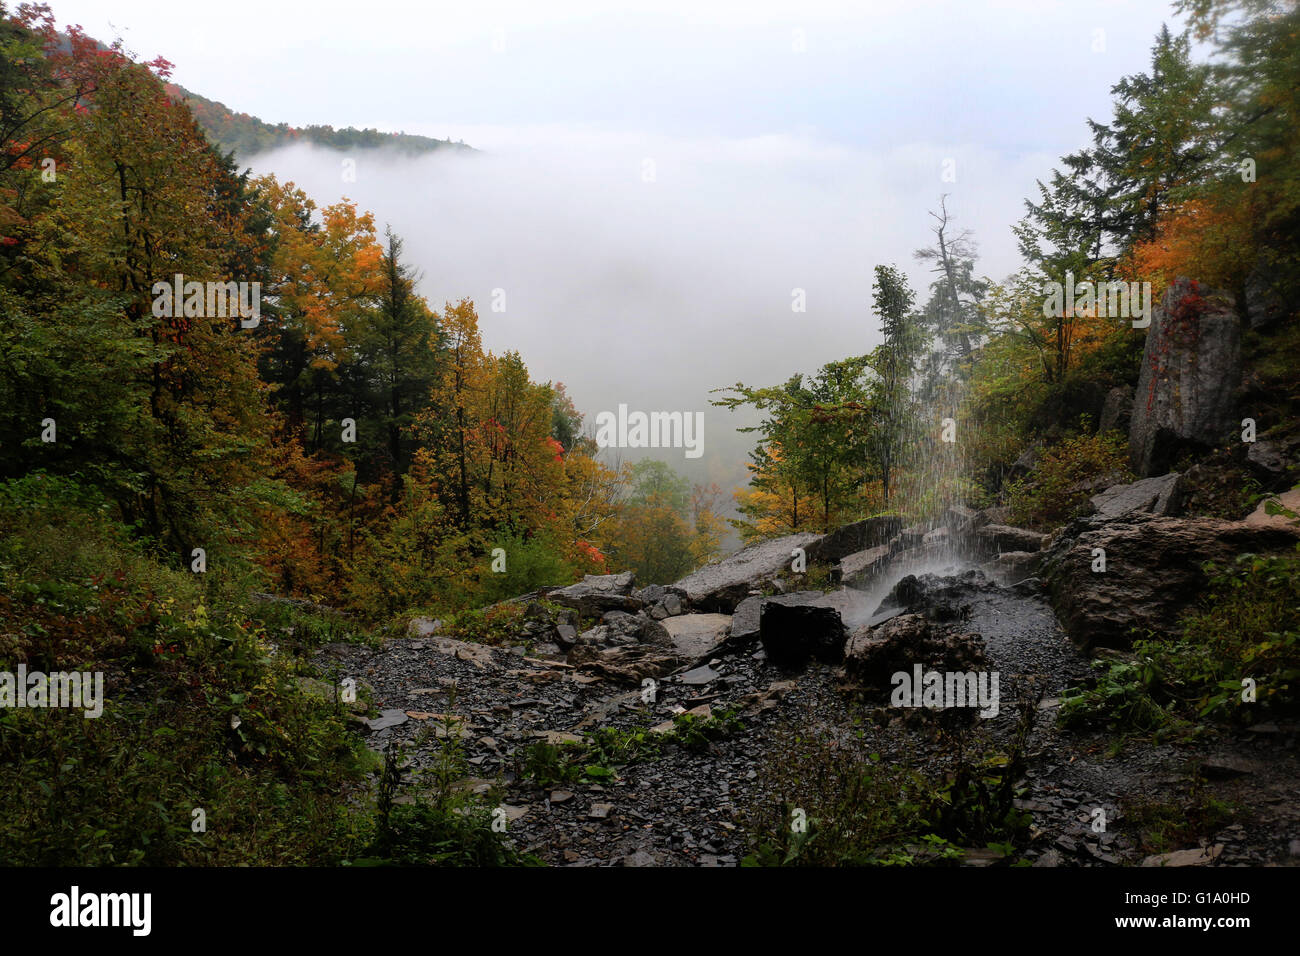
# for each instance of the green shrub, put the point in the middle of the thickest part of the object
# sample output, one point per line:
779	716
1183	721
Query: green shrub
828	802
1246	628
199	712
1058	487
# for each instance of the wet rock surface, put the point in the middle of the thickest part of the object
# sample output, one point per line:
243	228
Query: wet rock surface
688	806
723	585
1152	570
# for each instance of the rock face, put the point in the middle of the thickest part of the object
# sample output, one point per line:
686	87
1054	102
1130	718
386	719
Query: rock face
723	585
1191	368
1152	571
597	593
1158	496
793	634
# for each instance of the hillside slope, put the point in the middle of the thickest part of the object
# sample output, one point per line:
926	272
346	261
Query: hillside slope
246	135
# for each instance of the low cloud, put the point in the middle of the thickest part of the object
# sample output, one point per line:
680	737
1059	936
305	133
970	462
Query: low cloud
646	271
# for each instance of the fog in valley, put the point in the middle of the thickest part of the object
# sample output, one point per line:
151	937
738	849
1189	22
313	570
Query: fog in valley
647	272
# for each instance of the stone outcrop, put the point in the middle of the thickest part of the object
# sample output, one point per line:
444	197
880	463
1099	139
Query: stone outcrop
1191	368
722	585
1153	571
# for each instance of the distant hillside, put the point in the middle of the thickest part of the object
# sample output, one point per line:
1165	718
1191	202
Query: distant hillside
247	135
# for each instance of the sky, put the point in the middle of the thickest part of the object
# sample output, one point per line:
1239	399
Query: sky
655	180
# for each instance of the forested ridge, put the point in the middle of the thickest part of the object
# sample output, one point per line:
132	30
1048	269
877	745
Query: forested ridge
245	135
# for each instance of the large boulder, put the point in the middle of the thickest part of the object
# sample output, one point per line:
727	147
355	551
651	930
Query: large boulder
744	623
1152	571
724	584
856	537
938	596
793	634
1191	368
874	654
619	629
1012	567
860	567
1158	496
597	593
994	539
694	636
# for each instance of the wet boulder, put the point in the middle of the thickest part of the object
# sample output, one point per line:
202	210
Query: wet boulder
873	655
793	634
720	586
597	593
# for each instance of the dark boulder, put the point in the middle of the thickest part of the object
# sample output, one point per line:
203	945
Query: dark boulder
792	634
